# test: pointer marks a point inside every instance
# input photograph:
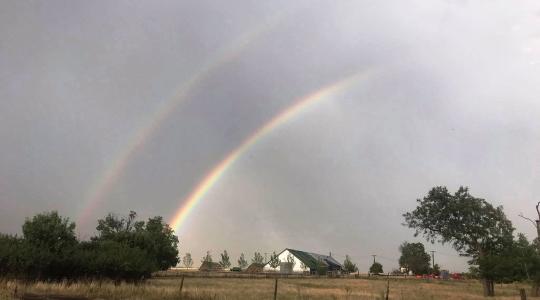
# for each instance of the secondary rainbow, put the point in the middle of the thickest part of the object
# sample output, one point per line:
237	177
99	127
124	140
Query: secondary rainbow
99	190
287	114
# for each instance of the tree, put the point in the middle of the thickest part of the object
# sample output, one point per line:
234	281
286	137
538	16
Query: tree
116	260
291	260
123	249
242	263
322	267
225	260
11	259
49	246
414	258
349	266
257	258
376	268
472	225
114	227
274	260
207	258
154	236
187	260
160	242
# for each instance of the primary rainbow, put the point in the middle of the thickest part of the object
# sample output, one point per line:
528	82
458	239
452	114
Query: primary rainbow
98	191
217	172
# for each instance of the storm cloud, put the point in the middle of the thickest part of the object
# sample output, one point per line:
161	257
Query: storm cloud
453	101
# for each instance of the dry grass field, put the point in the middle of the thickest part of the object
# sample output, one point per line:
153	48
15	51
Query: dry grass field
245	288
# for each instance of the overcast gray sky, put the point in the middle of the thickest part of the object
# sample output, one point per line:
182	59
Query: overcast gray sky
454	102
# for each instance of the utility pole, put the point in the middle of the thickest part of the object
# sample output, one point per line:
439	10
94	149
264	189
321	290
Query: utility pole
538	220
433	259
374	255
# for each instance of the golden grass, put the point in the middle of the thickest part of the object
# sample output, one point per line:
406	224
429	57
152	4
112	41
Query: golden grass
258	289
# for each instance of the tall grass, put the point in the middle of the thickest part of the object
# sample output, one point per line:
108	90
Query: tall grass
257	289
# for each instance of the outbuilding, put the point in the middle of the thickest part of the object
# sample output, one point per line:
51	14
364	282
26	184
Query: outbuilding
297	261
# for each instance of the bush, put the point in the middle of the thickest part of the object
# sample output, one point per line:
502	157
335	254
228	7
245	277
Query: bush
123	249
376	268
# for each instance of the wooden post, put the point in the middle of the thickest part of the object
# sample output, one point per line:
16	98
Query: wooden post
388	287
275	290
181	284
522	294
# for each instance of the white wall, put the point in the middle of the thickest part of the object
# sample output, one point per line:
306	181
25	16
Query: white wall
283	258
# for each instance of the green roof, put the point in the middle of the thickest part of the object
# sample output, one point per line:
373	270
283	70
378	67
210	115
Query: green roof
307	258
312	260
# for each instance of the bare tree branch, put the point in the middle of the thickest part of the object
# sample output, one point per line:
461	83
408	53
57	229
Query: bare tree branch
528	219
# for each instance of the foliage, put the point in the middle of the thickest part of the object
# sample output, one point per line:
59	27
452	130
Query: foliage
322	268
435	270
187	260
115	260
257	258
225	260
274	260
414	258
242	263
291	260
472	225
376	268
49	246
123	249
11	249
349	266
207	258
155	237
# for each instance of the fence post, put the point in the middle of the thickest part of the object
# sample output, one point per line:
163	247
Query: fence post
275	290
181	284
522	294
388	287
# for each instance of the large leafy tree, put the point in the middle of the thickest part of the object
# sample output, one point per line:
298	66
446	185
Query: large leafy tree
414	258
11	258
471	225
49	246
155	237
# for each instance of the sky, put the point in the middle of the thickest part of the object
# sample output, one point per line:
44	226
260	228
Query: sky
128	105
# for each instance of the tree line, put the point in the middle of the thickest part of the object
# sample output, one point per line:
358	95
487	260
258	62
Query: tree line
124	248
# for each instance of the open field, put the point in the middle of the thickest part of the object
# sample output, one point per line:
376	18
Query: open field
239	288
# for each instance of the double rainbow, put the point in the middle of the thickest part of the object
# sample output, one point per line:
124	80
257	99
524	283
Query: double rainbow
102	187
216	173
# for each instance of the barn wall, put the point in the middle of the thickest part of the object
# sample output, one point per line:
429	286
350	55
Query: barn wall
283	258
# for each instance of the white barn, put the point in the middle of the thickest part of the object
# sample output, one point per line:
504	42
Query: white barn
310	261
